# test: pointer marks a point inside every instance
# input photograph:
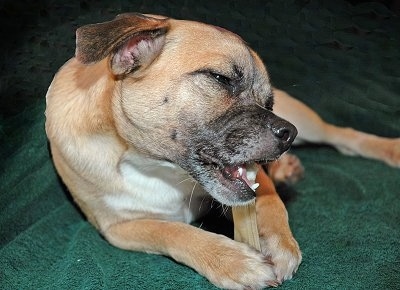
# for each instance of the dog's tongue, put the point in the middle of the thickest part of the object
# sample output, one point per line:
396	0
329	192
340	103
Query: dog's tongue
239	172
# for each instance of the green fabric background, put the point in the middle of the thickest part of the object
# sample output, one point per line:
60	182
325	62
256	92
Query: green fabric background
341	59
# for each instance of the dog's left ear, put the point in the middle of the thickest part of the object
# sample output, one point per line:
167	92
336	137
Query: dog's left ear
131	40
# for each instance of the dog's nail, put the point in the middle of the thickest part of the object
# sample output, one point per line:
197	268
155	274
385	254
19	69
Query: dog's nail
268	260
272	283
279	279
255	186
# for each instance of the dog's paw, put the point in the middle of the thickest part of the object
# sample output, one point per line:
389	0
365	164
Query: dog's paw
233	265
287	169
284	254
392	152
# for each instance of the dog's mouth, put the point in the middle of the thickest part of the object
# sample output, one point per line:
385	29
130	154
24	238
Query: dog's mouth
232	184
245	174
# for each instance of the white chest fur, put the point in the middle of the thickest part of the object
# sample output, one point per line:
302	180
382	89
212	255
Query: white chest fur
160	189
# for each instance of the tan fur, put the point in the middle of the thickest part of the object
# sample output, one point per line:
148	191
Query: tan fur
276	238
112	127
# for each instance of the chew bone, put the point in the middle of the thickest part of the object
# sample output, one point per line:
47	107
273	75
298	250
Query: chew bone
245	217
245	225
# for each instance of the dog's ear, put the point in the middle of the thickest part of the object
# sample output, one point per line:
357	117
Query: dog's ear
132	40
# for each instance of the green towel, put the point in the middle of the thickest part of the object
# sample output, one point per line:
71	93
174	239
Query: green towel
341	59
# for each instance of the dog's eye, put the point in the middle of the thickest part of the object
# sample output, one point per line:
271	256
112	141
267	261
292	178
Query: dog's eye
225	81
221	79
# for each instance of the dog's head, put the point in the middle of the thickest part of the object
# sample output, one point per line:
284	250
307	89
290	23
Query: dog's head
190	93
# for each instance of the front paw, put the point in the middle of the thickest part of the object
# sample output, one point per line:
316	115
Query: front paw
284	253
232	265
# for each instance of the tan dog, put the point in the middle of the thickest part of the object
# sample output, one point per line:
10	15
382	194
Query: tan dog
151	106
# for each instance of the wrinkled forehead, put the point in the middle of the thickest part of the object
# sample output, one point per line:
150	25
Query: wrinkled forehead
209	42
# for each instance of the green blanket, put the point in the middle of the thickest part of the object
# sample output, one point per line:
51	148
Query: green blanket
341	59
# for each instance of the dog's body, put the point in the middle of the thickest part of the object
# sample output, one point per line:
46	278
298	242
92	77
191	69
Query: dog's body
154	115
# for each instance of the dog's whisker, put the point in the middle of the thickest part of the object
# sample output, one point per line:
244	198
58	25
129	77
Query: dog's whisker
191	194
212	202
261	106
187	179
224	211
201	203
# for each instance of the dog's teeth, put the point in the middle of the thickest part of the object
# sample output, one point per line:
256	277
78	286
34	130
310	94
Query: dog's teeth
255	186
240	170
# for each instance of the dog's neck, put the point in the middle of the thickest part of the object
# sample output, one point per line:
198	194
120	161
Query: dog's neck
155	182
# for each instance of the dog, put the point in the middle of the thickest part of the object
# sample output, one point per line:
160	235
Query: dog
155	117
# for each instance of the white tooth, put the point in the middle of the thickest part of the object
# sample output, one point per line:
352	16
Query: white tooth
255	186
240	170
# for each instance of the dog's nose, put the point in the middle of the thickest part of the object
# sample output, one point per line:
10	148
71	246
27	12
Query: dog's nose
285	132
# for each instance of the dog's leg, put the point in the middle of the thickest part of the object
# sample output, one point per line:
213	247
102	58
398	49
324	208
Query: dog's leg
347	140
276	239
226	263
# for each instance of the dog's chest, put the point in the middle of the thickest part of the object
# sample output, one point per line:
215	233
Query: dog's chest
158	189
